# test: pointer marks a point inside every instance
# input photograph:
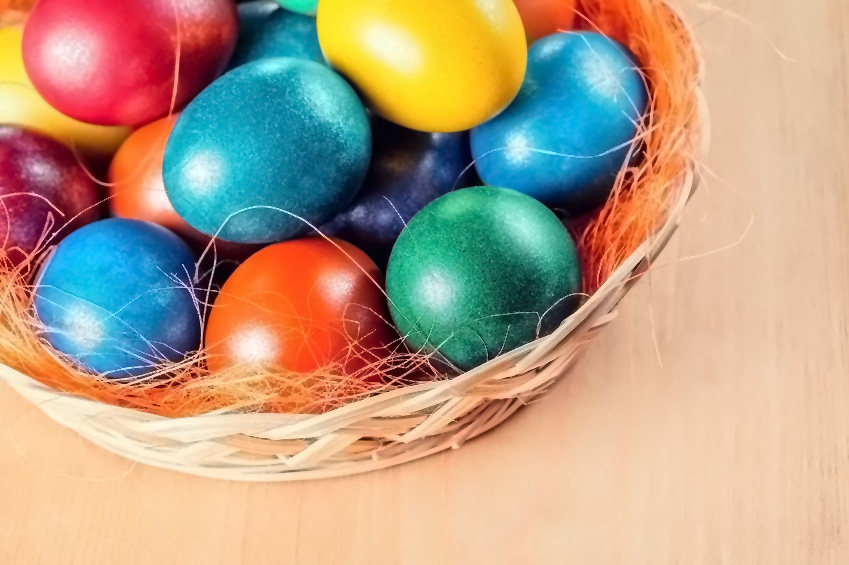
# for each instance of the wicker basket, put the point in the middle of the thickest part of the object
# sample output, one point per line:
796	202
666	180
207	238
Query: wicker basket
385	430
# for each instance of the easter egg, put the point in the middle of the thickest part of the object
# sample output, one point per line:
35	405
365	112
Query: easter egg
300	306
572	127
113	63
137	191
545	17
267	31
430	65
266	148
308	7
480	272
409	169
42	189
21	104
136	188
114	298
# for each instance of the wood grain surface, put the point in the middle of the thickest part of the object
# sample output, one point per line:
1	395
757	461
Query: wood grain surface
710	425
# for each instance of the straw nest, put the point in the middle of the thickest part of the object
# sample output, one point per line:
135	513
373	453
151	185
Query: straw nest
256	441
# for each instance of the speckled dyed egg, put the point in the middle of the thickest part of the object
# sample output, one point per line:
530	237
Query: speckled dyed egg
480	272
113	63
22	105
266	30
409	169
113	297
572	127
308	7
429	65
137	191
300	305
42	189
268	146
544	17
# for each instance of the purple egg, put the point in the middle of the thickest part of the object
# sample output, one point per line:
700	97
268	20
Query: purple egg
44	193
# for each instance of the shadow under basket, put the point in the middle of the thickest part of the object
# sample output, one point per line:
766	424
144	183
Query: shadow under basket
383	430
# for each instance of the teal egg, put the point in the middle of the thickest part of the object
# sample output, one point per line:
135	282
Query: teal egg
265	31
480	272
266	148
308	7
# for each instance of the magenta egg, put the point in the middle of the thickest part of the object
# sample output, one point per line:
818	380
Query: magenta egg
115	62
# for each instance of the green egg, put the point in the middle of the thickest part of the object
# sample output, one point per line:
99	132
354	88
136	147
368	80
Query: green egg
307	7
480	272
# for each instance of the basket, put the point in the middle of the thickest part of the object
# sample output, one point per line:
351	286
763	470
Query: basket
374	433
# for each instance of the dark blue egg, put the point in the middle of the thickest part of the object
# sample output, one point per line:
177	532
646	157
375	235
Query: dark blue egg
409	170
115	296
266	148
568	133
266	30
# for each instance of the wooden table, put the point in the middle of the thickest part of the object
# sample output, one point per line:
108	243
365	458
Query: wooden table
709	425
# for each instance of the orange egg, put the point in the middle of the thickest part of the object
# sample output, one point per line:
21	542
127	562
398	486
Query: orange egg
137	190
544	17
300	305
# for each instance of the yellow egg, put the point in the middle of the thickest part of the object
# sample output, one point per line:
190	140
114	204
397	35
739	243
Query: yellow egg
22	105
430	65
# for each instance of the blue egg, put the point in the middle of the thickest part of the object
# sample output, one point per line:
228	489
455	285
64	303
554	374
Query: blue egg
569	131
115	296
409	170
266	30
266	148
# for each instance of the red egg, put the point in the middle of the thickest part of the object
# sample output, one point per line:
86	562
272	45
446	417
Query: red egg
44	193
113	62
544	17
137	190
301	305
